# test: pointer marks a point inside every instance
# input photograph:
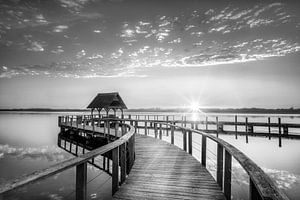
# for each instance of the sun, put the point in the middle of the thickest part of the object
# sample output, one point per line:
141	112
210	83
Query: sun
194	107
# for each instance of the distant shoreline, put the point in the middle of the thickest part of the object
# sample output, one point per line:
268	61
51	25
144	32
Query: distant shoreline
174	110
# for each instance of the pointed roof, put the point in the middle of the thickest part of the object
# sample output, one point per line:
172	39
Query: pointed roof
107	101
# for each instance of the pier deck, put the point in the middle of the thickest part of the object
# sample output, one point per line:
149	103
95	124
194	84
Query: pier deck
163	171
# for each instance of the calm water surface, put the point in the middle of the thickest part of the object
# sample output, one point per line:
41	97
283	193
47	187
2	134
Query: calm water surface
28	142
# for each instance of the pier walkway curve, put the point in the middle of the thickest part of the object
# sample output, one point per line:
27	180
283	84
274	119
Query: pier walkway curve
164	171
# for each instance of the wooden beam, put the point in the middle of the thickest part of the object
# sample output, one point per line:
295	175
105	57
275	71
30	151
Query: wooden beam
203	150
190	141
220	165
172	134
227	175
115	170
123	162
184	137
81	181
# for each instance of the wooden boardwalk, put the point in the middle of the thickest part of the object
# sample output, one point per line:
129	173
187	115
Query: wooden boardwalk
164	171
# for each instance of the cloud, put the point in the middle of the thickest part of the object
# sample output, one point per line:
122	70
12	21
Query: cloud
36	46
60	28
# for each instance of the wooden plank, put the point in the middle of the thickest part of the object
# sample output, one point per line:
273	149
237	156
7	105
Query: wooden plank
163	171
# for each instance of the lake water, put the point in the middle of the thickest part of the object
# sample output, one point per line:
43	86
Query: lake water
28	142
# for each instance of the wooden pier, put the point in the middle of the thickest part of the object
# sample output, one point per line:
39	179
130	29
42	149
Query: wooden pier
144	167
163	171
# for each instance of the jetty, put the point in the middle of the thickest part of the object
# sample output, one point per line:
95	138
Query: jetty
151	156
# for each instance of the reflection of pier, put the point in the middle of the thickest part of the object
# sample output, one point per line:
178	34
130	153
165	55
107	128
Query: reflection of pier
143	153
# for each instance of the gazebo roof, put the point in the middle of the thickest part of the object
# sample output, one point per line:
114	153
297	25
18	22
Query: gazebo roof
107	101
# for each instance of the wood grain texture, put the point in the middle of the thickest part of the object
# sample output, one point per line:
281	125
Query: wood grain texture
163	171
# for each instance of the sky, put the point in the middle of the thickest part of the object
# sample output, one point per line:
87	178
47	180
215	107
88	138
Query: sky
155	53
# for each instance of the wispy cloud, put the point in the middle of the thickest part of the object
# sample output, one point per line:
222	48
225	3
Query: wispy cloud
193	38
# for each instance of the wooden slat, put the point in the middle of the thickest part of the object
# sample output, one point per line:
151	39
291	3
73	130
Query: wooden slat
163	171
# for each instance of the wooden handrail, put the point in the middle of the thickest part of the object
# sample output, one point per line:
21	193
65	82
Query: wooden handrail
258	179
79	162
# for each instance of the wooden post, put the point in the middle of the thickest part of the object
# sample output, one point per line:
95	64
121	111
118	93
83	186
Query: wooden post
93	124
217	124
104	162
190	142
108	127
253	192
76	149
59	120
279	131
123	162
167	131
203	151
227	175
235	120
184	139
136	126
269	127
160	131
246	125
115	170
155	130
81	181
172	134
145	126
116	128
206	121
107	165
220	165
70	147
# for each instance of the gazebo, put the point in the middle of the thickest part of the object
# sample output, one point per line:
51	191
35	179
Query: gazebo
107	101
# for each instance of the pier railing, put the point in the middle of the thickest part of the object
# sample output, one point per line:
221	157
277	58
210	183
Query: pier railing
122	151
260	185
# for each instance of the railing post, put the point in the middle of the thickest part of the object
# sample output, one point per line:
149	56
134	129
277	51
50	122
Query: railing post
116	128
172	134
59	120
220	165
279	131
167	131
246	125
136	126
108	127
155	130
235	126
123	162
269	127
145	126
115	170
227	175
190	142
203	151
206	121
254	194
160	131
217	124
184	139
81	181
